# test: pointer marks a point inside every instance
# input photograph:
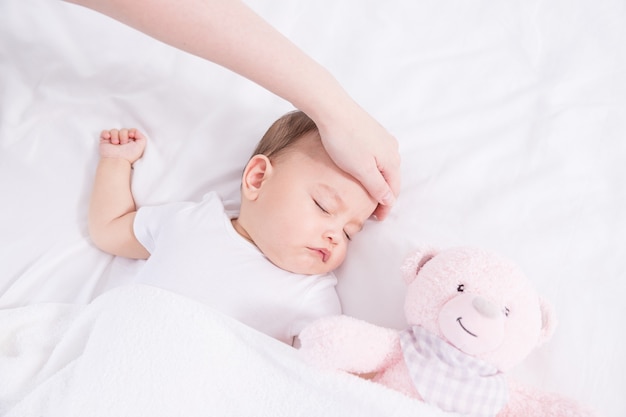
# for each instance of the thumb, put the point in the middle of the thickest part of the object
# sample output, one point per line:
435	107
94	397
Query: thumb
382	187
378	188
382	184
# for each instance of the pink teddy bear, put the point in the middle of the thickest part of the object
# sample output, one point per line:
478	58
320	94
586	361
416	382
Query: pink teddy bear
472	316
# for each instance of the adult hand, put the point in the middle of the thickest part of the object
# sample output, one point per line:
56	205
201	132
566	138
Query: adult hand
363	148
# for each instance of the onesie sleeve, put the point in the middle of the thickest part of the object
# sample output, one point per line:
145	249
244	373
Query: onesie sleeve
150	220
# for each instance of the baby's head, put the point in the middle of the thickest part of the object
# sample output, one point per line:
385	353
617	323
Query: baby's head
297	206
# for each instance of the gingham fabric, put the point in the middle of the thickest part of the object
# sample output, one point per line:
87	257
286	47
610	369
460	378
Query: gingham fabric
450	379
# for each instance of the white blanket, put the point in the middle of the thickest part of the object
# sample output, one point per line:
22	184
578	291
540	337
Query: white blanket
142	351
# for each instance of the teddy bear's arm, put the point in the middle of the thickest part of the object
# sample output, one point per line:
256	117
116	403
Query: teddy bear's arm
348	344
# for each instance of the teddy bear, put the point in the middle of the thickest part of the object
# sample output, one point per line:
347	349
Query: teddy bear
472	315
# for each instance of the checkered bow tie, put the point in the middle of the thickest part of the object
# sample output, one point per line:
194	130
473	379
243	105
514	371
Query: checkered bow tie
450	379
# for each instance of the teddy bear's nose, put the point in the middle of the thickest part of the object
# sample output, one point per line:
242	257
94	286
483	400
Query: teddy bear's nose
485	307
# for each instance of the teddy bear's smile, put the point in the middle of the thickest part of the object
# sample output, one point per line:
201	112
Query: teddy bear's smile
464	328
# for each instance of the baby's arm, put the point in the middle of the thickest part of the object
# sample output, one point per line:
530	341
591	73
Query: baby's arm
112	207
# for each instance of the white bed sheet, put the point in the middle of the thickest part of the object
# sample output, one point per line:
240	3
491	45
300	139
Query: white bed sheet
511	118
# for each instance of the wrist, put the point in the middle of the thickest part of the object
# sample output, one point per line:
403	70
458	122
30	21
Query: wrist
116	161
325	101
332	110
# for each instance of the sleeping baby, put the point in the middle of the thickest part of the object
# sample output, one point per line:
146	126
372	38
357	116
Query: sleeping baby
269	265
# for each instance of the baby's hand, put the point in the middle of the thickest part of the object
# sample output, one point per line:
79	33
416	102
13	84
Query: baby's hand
127	144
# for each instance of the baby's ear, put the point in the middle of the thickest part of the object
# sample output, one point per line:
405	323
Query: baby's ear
257	170
415	261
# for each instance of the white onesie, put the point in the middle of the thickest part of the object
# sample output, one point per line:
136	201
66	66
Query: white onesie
196	252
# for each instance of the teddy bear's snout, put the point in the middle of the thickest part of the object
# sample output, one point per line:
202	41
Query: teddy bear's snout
472	323
485	307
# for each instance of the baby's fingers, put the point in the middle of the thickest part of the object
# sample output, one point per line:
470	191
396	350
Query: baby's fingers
123	136
114	136
105	135
136	135
111	135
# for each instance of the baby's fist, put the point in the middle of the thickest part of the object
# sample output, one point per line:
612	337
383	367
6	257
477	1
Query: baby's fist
127	144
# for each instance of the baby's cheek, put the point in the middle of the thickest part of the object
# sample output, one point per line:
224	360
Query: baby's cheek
339	256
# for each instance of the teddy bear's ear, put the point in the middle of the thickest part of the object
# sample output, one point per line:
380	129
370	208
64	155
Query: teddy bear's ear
548	321
415	261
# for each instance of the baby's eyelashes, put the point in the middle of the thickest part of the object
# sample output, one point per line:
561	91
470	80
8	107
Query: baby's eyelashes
347	234
321	207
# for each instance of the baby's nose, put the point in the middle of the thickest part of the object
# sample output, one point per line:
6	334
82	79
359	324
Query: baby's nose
332	235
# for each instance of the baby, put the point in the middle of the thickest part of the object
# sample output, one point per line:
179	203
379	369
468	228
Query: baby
269	265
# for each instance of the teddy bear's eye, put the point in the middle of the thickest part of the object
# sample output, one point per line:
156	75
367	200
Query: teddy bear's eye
460	288
506	311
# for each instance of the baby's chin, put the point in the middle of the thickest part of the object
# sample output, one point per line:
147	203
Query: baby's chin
302	269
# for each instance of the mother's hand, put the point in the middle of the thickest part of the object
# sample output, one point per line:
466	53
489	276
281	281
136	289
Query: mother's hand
363	148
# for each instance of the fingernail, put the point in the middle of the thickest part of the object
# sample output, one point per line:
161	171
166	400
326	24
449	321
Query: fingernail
388	199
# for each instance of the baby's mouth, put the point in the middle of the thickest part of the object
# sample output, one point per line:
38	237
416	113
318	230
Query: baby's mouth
324	253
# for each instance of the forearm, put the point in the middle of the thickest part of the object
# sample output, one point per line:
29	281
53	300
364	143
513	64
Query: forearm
230	34
112	209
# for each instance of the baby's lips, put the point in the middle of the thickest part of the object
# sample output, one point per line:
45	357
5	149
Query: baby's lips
324	253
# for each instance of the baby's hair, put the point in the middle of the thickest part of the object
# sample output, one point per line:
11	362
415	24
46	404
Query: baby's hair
283	133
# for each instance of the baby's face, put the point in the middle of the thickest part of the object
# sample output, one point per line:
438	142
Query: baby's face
307	210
